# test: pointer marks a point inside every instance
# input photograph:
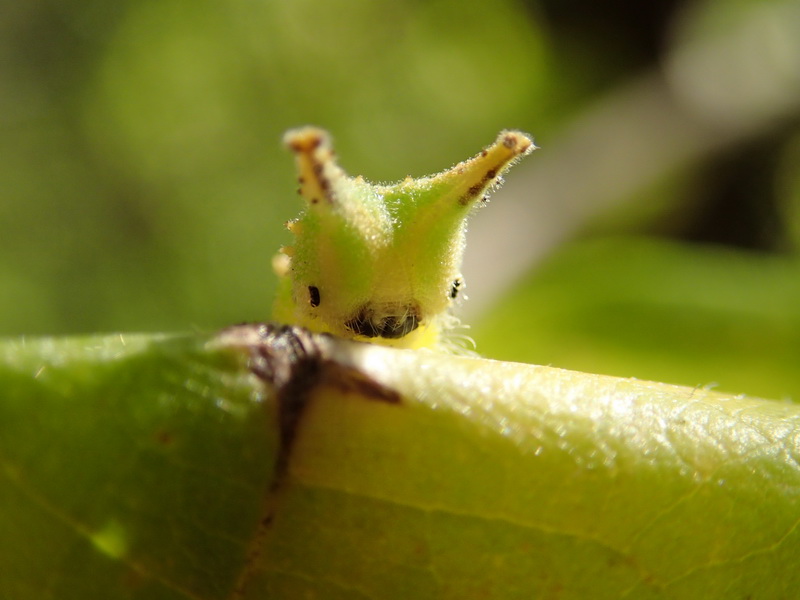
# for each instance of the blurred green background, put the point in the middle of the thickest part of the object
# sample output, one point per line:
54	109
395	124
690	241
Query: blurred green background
143	186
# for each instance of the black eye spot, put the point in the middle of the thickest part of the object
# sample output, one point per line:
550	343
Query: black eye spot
313	295
454	290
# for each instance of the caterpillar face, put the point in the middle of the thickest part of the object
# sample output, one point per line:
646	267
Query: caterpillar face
389	321
381	263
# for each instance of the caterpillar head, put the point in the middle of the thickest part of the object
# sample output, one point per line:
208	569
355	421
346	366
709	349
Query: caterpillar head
381	263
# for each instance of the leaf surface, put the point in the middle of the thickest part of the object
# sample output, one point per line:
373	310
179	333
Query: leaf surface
132	467
147	470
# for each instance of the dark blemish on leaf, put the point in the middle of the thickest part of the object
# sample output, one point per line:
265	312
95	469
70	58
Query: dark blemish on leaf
301	180
286	359
293	363
293	360
510	140
289	360
484	153
313	296
350	380
491	173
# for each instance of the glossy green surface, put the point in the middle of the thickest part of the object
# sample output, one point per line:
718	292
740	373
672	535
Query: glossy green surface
130	467
142	470
514	481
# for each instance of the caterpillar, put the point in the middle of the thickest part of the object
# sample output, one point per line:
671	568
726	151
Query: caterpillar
381	263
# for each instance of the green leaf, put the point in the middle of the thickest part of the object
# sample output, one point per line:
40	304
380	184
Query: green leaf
132	467
660	310
148	470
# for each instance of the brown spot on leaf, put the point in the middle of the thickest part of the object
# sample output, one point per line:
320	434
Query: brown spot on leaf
293	363
350	380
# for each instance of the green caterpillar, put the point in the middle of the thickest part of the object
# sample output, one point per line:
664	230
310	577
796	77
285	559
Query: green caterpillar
381	263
